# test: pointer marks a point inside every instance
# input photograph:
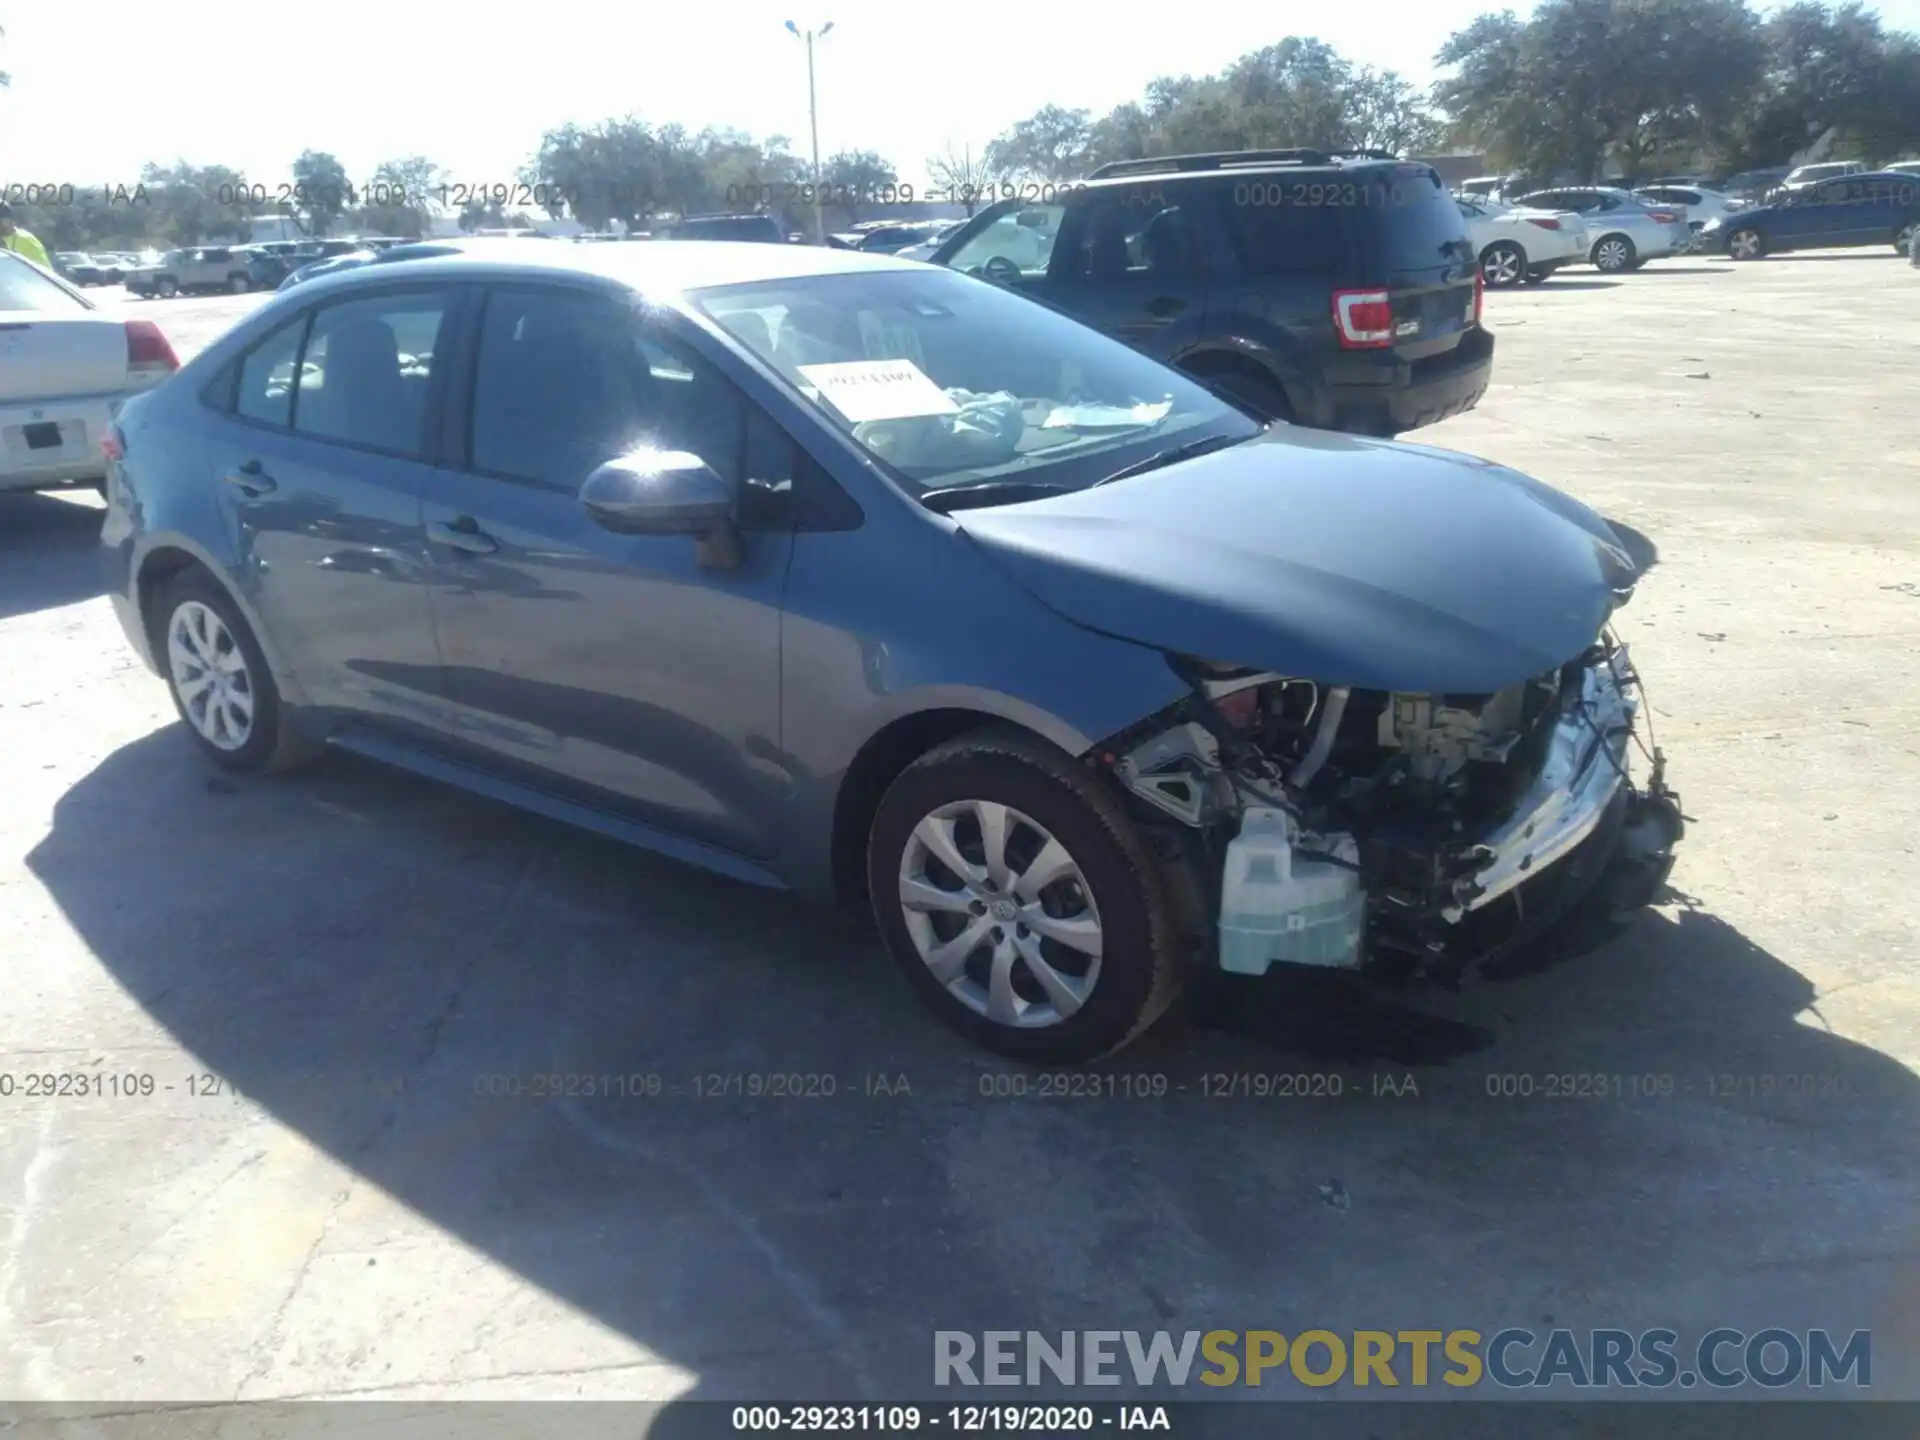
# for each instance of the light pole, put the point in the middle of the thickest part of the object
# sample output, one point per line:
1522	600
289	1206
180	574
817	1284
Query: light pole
813	123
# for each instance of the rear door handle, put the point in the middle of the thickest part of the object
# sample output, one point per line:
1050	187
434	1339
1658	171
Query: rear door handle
463	535
251	479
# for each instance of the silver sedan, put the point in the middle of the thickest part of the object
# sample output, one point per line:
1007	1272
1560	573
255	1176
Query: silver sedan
1623	232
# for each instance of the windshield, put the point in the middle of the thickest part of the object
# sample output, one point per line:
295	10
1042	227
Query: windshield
950	382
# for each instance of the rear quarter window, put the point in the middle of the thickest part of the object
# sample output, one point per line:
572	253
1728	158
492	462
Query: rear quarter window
1420	227
1280	226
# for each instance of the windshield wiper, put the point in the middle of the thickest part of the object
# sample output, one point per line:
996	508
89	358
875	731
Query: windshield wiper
1172	455
990	492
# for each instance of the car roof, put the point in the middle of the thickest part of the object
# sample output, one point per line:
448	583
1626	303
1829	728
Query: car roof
1342	164
648	269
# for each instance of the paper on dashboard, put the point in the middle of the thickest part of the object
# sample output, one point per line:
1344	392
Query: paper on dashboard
864	390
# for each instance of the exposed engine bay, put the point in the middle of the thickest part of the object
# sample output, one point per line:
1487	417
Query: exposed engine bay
1471	821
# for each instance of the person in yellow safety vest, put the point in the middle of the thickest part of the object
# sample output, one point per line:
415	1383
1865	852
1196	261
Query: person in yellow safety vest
21	242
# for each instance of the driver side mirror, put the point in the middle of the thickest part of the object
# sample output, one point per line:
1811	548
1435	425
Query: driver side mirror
666	492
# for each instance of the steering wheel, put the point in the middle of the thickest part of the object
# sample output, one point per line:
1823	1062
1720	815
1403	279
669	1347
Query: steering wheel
1000	270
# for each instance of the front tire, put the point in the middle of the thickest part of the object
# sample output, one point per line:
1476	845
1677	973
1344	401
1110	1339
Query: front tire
239	284
166	289
1503	264
219	679
1613	254
1746	244
1015	894
1903	238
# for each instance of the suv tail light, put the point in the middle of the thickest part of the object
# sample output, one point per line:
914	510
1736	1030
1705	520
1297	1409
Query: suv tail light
1545	222
148	352
1363	319
1663	217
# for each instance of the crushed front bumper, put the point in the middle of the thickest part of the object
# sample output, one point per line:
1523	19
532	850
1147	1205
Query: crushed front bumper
1584	833
1585	767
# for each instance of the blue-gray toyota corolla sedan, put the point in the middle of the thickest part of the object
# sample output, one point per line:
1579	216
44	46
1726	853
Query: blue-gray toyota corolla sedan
844	574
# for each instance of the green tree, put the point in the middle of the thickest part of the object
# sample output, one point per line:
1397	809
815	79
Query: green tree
187	204
400	198
1050	144
857	180
322	192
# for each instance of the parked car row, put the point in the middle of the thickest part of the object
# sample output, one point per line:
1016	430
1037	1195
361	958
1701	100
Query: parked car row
195	269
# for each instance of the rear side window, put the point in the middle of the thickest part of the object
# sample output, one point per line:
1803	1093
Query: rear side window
1287	227
264	392
367	369
1421	226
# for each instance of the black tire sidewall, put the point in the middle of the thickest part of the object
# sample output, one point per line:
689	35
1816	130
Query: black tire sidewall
262	744
1130	913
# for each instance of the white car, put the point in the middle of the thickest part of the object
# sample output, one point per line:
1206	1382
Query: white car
1700	204
1903	167
1518	244
65	371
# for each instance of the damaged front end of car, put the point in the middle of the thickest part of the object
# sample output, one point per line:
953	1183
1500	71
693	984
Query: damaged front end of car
1410	836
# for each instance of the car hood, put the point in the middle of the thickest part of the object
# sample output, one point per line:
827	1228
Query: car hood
1345	560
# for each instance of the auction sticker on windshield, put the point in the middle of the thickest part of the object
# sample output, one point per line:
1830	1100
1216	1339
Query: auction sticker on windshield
864	390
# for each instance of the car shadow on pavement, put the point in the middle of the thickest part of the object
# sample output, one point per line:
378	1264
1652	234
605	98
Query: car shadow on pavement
758	1158
1558	284
49	551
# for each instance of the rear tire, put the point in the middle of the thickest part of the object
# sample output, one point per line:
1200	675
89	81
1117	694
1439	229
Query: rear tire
1069	953
1613	254
166	289
239	284
1903	238
221	685
1503	265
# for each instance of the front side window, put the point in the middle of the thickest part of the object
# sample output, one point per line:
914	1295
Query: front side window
949	382
265	386
1021	236
1123	231
563	383
367	368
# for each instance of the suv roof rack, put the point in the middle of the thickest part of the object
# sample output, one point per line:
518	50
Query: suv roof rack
1364	155
1212	160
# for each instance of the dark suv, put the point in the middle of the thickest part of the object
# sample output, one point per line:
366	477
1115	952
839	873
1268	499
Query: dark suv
1338	291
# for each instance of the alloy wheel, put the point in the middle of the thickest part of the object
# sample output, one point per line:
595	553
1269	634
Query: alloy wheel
1611	254
1001	913
210	676
1502	265
1744	245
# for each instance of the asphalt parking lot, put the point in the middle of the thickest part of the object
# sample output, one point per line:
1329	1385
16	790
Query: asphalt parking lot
321	972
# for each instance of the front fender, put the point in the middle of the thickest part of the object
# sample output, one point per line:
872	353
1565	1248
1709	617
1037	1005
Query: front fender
869	640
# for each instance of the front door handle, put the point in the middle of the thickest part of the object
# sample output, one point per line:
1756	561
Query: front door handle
464	535
1164	306
251	479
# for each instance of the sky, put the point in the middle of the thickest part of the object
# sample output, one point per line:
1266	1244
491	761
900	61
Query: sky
99	89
